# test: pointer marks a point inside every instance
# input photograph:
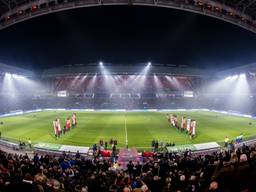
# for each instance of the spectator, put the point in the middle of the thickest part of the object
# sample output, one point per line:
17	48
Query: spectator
185	172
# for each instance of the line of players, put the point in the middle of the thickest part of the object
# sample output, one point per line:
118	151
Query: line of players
187	125
68	124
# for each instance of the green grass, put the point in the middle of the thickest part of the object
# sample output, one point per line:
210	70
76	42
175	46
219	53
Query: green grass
142	127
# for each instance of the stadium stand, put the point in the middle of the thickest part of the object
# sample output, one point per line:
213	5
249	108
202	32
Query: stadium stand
81	93
232	171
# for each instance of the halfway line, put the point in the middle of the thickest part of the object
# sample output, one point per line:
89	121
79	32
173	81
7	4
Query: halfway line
126	136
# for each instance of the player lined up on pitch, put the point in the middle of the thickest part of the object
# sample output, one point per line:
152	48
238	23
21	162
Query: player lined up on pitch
187	125
69	123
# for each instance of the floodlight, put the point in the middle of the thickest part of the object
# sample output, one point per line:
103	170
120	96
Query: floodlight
15	76
169	78
8	74
234	76
242	75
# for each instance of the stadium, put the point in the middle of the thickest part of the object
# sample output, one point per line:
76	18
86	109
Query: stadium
126	96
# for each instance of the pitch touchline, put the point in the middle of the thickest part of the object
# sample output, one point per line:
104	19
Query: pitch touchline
126	137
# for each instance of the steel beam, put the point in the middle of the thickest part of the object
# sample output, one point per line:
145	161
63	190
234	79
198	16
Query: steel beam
218	10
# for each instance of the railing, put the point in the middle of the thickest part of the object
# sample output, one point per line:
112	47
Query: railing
9	144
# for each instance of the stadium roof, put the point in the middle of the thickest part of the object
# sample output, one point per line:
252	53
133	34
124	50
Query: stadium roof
16	70
249	68
125	34
125	70
160	69
238	12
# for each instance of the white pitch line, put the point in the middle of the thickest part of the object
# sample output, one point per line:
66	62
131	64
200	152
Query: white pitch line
126	135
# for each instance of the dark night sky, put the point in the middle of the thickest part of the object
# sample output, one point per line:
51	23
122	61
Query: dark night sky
126	34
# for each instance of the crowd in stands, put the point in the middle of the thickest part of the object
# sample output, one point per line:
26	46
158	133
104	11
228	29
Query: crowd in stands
29	103
124	92
123	83
84	93
227	171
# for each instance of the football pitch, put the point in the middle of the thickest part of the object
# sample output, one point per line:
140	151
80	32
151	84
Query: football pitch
136	128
